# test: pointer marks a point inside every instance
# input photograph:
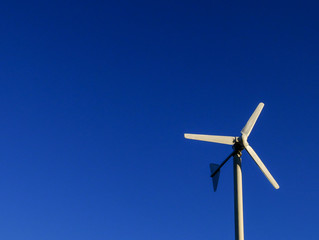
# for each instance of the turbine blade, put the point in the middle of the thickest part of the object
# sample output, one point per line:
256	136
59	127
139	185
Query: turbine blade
252	120
262	167
215	178
211	138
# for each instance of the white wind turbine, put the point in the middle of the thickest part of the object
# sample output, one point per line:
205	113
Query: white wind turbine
239	144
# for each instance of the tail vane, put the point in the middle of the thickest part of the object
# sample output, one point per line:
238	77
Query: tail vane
215	178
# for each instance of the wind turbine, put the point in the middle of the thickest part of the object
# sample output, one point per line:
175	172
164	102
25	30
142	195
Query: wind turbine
239	144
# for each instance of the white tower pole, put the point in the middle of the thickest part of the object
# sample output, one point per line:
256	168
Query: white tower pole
238	197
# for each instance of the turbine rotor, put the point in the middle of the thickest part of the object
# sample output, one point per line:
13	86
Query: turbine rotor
238	144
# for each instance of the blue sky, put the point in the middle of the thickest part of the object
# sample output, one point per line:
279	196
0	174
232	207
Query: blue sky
95	97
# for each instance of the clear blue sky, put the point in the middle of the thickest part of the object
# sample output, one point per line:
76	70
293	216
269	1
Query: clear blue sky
95	97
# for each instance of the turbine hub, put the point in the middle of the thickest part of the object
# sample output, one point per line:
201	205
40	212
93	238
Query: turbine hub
239	146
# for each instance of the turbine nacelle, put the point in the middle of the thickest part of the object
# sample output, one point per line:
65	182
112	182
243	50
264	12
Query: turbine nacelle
239	144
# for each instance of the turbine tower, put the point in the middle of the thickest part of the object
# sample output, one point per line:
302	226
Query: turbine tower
239	144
